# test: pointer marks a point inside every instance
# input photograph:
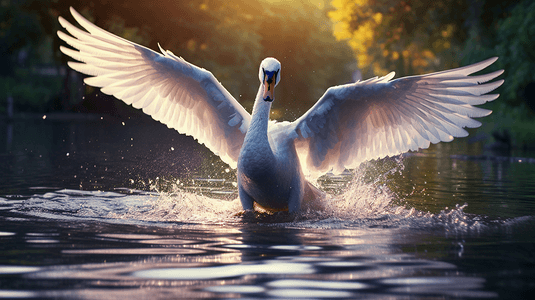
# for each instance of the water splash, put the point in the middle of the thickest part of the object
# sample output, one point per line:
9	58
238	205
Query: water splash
179	205
361	199
350	197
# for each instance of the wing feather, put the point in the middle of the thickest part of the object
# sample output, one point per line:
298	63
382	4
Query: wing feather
381	117
171	90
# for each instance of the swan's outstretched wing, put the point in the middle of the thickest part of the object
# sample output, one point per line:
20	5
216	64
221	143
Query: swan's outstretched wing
376	118
171	90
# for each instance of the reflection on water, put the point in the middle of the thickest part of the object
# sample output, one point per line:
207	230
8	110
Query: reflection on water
243	260
94	155
99	210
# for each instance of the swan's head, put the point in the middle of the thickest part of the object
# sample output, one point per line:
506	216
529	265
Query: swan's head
269	75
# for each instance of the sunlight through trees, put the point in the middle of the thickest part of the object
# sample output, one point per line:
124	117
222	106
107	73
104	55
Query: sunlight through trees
411	37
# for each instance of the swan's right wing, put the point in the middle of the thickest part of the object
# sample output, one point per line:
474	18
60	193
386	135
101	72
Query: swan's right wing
375	118
166	87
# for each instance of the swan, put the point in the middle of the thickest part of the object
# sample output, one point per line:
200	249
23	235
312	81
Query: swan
349	124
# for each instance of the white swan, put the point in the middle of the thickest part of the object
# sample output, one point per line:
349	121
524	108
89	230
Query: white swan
349	124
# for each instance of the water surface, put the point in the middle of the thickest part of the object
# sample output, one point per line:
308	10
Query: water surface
107	208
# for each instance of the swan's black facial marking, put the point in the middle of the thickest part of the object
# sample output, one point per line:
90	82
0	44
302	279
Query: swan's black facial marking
270	78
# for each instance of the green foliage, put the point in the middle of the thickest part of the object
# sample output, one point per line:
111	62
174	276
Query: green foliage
25	48
19	29
507	35
30	91
229	38
515	48
416	36
409	37
510	38
514	123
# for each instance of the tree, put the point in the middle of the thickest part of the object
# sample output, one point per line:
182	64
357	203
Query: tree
508	35
411	36
229	38
19	29
505	29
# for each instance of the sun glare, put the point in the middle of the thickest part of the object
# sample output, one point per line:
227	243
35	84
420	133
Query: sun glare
319	3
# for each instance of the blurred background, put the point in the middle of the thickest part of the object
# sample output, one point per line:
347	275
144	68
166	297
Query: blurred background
319	43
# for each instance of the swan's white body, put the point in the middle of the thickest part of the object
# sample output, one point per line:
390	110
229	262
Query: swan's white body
349	124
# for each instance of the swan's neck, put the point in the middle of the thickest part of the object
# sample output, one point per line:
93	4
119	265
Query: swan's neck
259	123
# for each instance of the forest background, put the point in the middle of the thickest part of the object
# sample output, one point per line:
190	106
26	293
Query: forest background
319	43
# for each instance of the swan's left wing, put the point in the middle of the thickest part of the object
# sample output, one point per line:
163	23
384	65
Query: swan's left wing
171	90
377	118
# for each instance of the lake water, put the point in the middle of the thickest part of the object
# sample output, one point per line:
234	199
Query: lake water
116	209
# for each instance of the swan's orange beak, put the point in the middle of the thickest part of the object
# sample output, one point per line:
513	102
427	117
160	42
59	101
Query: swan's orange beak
269	86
